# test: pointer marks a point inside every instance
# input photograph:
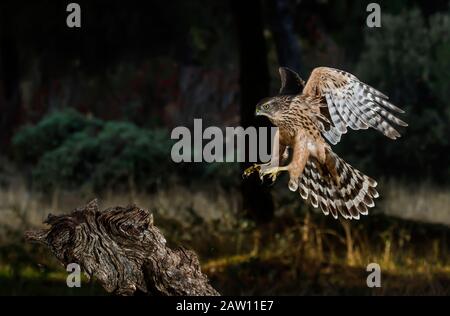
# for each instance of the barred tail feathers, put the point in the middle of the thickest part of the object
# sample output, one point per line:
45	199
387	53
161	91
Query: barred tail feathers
351	196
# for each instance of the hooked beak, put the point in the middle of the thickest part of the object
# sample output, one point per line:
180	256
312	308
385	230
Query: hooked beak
259	111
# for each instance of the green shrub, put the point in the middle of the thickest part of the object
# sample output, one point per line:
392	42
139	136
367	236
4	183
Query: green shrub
31	142
70	150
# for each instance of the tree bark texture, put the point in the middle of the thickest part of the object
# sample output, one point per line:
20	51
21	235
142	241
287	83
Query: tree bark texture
122	249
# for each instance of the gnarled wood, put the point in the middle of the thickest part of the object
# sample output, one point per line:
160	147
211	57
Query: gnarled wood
124	251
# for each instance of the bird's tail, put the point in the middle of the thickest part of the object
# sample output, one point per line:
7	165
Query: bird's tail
350	194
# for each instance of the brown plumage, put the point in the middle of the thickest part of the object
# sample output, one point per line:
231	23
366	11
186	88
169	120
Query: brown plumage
306	114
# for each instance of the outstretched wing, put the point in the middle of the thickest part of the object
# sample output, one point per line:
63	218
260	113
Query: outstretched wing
351	103
291	83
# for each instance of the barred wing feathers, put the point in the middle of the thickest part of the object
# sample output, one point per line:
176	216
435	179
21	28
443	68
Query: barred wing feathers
351	103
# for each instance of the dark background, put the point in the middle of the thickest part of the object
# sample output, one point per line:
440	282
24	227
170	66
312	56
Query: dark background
88	112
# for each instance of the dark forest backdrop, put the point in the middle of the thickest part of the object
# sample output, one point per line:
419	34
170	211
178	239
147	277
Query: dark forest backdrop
89	111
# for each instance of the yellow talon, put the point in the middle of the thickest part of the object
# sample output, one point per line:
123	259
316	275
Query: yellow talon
263	170
271	172
250	170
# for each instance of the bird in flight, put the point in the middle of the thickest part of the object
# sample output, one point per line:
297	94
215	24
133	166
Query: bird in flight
314	115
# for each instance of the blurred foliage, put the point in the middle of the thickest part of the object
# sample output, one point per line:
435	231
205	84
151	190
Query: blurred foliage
33	141
138	65
165	73
408	59
70	149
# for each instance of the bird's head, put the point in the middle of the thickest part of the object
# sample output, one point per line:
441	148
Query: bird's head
270	107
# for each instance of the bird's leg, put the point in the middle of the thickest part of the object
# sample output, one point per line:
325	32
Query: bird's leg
280	154
266	168
284	154
275	160
298	163
272	172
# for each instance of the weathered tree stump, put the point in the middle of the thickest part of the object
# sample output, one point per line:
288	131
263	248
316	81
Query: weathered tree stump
122	249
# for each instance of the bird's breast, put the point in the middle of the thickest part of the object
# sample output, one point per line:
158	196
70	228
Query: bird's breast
286	138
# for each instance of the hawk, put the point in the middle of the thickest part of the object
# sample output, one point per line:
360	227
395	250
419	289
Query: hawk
310	118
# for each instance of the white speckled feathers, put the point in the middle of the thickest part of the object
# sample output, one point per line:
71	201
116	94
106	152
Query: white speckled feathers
323	109
351	103
351	198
